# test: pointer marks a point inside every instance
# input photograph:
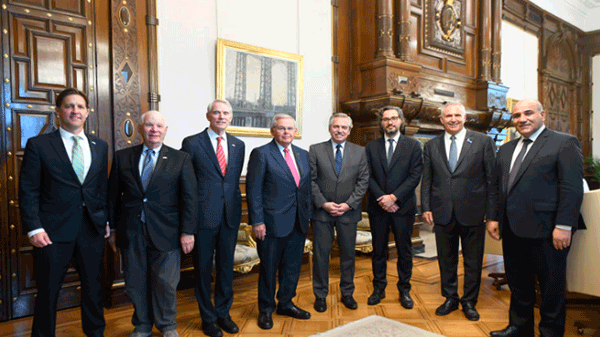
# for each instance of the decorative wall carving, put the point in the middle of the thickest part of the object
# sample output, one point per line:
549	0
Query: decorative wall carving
444	26
558	103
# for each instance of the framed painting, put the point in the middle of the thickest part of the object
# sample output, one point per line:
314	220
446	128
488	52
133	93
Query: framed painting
259	83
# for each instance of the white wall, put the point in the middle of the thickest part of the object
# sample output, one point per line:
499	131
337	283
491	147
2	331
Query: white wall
572	11
187	37
596	106
519	62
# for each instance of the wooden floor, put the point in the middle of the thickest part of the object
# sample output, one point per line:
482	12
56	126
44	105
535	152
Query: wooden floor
493	307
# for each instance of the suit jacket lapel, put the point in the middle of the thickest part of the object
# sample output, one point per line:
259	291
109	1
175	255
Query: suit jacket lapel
328	148
535	148
57	142
442	149
231	153
510	149
163	157
382	154
210	151
276	154
465	149
94	165
346	159
396	154
135	161
300	163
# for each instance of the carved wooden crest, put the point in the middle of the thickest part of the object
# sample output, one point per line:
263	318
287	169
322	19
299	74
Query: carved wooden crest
444	26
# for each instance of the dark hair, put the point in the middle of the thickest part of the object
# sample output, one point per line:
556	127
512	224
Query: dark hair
400	114
69	92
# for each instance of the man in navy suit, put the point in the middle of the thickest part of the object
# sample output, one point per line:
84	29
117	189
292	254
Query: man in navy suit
218	158
454	198
279	208
152	206
62	198
395	165
538	192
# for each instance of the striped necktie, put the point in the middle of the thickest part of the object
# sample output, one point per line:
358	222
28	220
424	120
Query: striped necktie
77	158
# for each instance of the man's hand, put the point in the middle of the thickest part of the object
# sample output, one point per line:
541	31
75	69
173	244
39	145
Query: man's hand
259	231
107	232
428	217
187	242
331	207
561	238
112	242
493	228
343	208
387	201
40	240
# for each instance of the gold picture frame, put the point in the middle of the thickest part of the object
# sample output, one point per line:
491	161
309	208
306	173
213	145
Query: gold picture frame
259	83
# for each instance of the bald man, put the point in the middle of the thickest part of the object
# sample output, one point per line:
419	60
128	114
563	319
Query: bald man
152	206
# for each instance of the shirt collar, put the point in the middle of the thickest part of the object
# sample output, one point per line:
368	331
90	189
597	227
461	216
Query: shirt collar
459	135
536	134
334	144
281	148
213	135
67	135
395	138
156	149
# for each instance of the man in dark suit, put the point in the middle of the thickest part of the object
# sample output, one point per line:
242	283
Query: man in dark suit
218	158
152	206
457	173
62	198
279	209
538	192
396	165
340	177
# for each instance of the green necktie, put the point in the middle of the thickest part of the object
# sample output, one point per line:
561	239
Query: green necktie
77	158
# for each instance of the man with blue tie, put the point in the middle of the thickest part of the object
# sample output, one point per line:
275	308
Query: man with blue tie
218	158
279	208
152	206
62	198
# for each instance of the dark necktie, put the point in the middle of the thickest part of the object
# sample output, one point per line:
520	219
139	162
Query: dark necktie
147	168
517	164
453	156
390	150
338	159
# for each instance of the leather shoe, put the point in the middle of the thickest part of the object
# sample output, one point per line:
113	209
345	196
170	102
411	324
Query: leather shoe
376	296
211	329
228	325
509	331
470	312
406	301
349	302
265	321
293	312
449	306
320	304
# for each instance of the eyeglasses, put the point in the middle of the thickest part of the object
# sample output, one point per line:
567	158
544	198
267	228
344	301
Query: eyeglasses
284	129
393	119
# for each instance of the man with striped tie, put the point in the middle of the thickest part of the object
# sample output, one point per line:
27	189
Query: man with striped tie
218	158
152	205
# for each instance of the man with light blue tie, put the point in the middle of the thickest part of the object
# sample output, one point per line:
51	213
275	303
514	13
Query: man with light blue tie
340	178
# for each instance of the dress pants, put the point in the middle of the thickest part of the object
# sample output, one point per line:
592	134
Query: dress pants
280	259
472	241
151	278
402	226
51	265
524	259
323	235
219	243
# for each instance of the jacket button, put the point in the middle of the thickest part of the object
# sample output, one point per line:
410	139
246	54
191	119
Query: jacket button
145	199
139	215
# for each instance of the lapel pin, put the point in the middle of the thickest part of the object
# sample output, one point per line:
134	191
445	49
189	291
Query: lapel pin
164	157
232	145
469	140
93	142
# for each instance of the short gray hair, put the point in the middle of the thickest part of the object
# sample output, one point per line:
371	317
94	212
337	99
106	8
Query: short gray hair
282	116
218	100
143	116
340	114
460	106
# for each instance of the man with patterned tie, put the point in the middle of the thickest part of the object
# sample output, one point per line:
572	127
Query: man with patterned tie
153	208
62	198
395	165
340	177
279	209
457	176
218	158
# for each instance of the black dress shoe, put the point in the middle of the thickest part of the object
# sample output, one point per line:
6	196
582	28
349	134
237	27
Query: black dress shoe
265	321
211	329
293	312
349	302
509	331
376	296
470	312
406	301
320	304
449	306
228	325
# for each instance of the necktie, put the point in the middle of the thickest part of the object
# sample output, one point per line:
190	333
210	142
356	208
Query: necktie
77	158
290	162
453	155
390	151
517	163
338	159
147	168
221	156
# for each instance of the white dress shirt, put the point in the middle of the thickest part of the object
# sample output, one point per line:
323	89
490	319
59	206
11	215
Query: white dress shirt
460	139
212	135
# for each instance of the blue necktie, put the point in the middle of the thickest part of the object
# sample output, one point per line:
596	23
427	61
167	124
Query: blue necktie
390	150
338	159
147	168
453	156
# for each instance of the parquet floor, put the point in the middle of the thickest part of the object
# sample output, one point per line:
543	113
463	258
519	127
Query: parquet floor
492	306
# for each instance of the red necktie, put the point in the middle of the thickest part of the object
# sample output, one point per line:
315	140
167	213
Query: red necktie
290	162
221	156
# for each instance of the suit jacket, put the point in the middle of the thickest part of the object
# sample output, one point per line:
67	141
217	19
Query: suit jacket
50	194
401	177
217	194
169	203
547	189
273	197
349	187
464	191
